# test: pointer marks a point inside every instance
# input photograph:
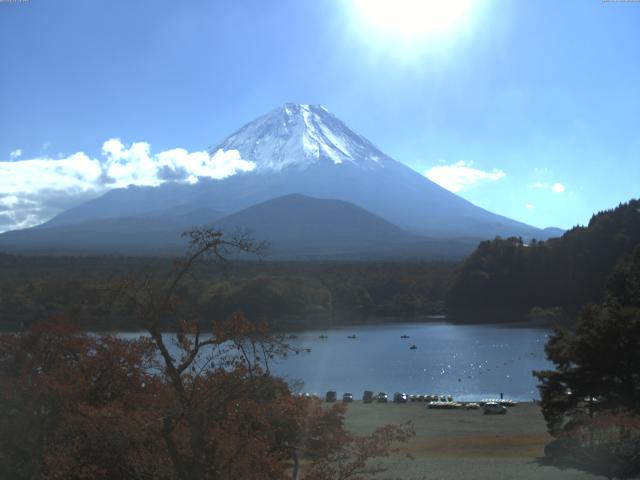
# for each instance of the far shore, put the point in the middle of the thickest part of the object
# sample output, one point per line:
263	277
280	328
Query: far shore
296	325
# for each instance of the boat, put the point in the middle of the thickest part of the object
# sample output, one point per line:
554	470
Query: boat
444	405
351	336
404	336
413	347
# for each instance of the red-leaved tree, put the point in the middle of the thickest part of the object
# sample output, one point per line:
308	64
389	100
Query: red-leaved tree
177	403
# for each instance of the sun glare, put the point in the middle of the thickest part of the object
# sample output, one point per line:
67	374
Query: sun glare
412	20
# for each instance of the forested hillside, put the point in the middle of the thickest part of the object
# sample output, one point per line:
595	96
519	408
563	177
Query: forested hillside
511	276
284	294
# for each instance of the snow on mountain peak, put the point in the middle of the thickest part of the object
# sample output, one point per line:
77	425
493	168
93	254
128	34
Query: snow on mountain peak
300	135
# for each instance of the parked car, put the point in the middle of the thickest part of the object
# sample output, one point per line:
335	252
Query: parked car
347	397
367	396
399	397
494	408
382	397
331	396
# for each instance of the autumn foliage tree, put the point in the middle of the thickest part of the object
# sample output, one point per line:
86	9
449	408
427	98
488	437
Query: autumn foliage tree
176	403
75	406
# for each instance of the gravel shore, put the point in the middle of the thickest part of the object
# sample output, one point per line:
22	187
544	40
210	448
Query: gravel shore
463	444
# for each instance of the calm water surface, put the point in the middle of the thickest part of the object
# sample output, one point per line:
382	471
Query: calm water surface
470	362
467	361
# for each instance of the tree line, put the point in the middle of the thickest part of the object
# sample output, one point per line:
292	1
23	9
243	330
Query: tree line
563	273
286	295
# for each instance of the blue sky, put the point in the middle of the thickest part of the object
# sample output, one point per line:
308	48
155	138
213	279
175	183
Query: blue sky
529	109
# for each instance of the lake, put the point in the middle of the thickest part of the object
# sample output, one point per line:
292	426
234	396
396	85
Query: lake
470	362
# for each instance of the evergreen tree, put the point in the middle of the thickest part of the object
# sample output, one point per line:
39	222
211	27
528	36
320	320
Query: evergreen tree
593	395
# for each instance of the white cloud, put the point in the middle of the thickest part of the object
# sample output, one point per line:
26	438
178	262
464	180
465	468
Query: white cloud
77	172
529	206
200	164
15	154
555	187
136	165
34	190
461	175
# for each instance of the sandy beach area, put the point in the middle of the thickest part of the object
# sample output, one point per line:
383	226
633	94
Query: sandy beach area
463	444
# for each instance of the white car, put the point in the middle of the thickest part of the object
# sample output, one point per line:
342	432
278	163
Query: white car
494	408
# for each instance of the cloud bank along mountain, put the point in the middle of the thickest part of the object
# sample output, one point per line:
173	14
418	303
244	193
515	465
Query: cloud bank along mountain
295	149
34	190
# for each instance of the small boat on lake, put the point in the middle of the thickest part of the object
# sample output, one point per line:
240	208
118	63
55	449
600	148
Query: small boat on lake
404	336
351	336
413	347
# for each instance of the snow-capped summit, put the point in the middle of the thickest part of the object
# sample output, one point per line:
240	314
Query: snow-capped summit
300	135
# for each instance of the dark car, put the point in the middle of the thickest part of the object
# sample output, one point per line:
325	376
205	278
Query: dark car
331	396
347	397
399	397
382	397
494	408
367	396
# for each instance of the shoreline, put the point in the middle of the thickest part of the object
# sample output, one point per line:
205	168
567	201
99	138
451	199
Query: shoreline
313	326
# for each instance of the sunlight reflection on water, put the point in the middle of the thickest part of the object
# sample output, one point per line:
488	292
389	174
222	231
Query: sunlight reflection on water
470	362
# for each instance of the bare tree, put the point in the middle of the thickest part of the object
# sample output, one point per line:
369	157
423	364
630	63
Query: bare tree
159	306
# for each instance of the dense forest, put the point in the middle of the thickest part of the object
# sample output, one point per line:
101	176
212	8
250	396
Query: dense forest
504	279
546	278
284	294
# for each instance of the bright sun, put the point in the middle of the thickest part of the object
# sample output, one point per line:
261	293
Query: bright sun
412	20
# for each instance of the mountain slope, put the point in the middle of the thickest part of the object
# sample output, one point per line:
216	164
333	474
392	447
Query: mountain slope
297	225
304	149
294	226
298	216
132	236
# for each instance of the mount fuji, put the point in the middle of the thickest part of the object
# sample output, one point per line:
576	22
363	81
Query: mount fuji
299	151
